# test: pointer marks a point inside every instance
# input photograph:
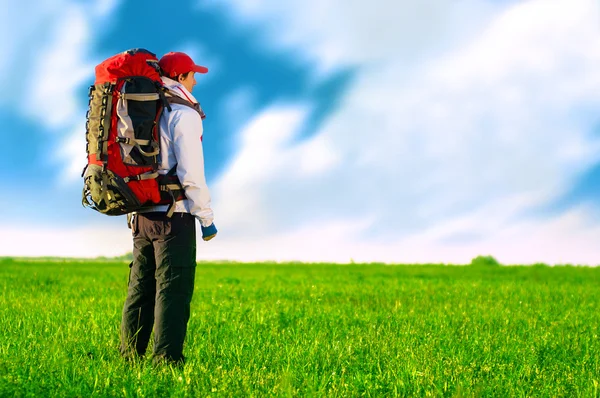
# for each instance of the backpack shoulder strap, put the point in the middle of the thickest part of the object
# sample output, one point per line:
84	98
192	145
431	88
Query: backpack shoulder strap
172	172
172	99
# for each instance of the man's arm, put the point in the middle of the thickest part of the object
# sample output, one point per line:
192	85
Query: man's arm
187	139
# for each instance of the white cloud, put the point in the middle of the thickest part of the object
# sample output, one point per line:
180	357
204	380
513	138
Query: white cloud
316	156
430	142
239	106
104	8
335	33
58	37
565	239
34	241
61	70
50	43
525	242
72	152
23	25
262	159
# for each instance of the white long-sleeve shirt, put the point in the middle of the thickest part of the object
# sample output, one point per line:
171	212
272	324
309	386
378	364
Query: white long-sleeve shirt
181	144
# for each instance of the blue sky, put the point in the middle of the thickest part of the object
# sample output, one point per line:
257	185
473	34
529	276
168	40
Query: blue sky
394	131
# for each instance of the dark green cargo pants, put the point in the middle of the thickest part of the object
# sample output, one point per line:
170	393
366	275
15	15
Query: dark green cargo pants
161	283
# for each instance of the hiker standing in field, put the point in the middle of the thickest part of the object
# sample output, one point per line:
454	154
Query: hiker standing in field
164	248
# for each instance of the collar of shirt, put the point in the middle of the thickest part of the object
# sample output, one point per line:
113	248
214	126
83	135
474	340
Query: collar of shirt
178	89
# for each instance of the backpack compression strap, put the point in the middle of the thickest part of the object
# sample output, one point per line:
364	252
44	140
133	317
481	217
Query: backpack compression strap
169	183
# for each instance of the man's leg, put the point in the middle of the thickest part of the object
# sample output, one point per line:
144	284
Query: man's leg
138	311
175	257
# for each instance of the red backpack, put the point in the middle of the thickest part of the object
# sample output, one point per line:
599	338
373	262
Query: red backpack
126	102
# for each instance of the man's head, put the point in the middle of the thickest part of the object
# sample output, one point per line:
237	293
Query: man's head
181	68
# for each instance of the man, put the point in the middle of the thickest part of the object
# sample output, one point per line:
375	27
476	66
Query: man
162	273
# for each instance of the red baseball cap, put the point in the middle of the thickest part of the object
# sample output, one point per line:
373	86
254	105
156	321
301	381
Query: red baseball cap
175	64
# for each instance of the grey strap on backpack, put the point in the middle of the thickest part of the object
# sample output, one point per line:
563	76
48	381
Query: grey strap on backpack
178	100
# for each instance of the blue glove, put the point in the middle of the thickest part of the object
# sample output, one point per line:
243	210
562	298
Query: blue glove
209	232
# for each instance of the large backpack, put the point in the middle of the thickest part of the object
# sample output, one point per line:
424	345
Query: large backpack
126	102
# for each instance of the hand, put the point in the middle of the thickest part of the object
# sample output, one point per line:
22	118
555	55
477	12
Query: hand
208	232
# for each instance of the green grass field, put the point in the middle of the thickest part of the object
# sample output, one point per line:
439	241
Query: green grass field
311	330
